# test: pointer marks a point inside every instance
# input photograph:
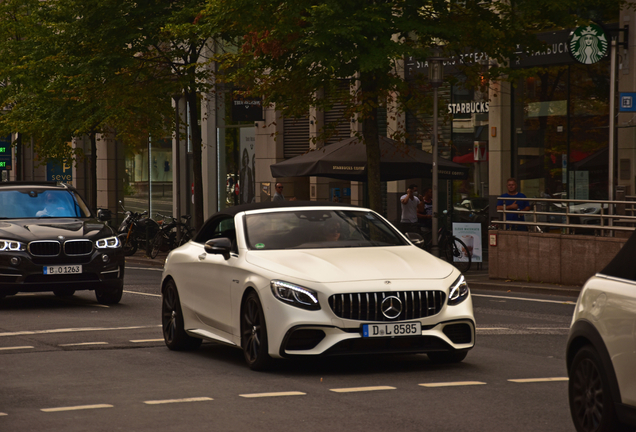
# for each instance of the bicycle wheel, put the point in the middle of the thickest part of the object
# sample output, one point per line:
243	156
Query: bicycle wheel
156	245
451	248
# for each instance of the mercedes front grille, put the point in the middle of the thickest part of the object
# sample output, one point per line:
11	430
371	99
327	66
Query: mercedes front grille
367	306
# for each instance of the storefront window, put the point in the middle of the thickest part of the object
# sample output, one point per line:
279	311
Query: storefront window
561	119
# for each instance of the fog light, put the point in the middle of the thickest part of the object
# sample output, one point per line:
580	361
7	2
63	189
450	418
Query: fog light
105	258
15	261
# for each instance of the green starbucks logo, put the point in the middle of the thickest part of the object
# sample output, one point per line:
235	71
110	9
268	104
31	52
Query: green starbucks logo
588	44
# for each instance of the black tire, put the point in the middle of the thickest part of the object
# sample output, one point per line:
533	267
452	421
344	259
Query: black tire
110	295
157	242
174	333
130	246
447	357
590	396
453	247
254	334
64	292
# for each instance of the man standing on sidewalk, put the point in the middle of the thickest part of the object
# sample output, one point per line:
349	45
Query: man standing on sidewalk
517	204
409	202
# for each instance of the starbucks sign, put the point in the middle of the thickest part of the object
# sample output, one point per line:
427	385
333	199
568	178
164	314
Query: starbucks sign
588	44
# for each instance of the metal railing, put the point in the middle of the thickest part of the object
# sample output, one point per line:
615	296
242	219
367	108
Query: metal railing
572	215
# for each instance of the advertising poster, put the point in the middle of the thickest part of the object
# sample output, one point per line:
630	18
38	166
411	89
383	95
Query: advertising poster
470	234
247	184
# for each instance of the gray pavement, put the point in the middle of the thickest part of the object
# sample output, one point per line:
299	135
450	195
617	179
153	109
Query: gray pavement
477	278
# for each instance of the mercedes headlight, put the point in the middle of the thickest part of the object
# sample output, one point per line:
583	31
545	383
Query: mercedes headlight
295	295
458	292
11	246
108	243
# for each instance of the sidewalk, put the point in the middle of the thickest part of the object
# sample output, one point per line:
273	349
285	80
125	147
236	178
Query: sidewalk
477	278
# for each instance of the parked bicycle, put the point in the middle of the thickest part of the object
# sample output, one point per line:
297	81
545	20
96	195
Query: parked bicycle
450	247
166	238
134	230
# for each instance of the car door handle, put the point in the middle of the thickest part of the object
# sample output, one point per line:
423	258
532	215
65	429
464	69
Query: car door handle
202	256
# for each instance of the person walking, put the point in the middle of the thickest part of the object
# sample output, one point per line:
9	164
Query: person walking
517	203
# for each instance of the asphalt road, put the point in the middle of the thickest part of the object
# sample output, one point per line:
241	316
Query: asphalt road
74	365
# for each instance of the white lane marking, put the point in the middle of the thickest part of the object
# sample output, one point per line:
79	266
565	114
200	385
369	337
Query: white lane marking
147	340
273	394
3	414
452	384
361	389
83	343
74	330
525	299
144	268
140	293
534	380
76	408
168	401
492	328
547	328
15	348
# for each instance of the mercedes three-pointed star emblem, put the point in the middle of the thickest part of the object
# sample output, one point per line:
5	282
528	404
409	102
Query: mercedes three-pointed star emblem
391	307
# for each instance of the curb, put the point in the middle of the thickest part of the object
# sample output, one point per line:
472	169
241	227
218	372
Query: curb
562	290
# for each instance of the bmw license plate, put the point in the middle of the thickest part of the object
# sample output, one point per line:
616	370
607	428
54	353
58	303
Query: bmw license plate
392	329
63	269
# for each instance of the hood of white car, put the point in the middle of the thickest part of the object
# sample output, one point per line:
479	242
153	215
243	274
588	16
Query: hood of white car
352	264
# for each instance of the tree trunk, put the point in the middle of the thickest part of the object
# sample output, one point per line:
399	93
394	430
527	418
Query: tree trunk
370	135
197	174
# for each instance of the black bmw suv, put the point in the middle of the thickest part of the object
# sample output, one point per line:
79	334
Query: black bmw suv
50	241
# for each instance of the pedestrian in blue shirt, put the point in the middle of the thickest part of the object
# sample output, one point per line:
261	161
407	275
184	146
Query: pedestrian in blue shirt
516	204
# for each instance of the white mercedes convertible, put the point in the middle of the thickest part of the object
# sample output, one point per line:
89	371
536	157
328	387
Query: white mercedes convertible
290	280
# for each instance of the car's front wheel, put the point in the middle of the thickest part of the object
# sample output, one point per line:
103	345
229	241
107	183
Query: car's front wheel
110	295
174	333
254	333
591	403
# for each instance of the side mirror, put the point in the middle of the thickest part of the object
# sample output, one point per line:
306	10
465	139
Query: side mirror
219	246
415	238
104	215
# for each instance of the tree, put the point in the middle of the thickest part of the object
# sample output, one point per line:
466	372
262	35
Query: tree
287	52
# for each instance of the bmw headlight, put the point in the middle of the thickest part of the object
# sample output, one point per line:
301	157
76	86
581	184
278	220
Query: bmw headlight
295	295
458	292
108	243
11	246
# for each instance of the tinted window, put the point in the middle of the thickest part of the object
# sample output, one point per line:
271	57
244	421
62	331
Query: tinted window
217	228
35	203
318	229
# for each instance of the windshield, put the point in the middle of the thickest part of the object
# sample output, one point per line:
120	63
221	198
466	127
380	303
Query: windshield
33	203
312	229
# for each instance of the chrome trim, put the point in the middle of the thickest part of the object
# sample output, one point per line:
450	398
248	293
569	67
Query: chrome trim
16	275
366	306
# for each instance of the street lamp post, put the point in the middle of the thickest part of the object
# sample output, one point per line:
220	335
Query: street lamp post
176	166
435	78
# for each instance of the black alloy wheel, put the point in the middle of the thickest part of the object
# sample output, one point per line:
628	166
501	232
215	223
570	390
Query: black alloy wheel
111	295
254	334
174	333
591	403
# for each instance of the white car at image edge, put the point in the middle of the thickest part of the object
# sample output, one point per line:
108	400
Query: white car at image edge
292	280
601	348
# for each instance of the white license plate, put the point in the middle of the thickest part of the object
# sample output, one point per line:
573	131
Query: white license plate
63	269
392	329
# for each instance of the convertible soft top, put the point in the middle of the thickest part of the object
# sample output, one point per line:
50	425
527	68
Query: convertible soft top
231	211
622	266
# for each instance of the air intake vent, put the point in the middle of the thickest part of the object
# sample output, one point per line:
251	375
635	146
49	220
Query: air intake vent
368	306
78	247
44	248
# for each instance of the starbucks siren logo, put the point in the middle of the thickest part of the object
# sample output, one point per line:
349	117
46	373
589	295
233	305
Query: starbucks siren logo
588	44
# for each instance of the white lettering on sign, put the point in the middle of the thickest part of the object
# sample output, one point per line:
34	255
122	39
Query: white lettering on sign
468	107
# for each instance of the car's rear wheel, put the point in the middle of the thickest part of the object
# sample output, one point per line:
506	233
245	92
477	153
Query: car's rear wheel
174	333
110	294
64	292
254	333
445	357
591	402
